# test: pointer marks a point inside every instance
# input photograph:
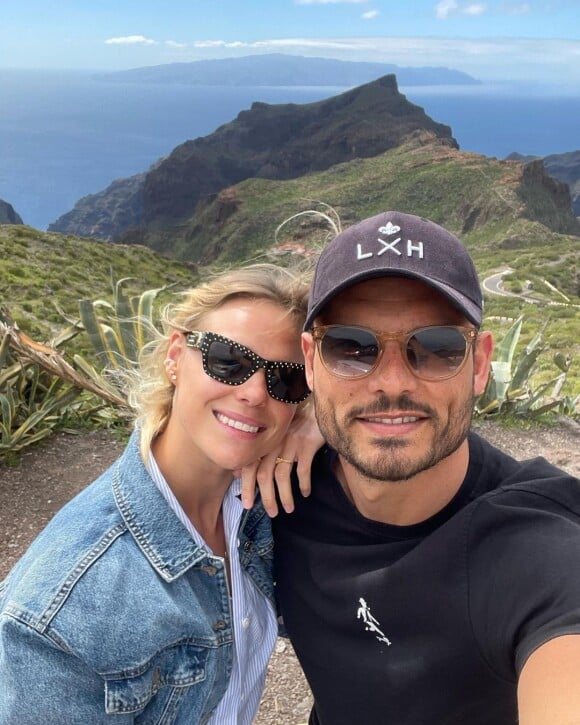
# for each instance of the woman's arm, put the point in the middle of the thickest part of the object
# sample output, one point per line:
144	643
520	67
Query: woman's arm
42	683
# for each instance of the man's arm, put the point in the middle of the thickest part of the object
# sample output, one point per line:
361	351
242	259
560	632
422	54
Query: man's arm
549	684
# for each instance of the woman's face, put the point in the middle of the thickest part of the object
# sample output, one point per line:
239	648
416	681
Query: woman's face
224	426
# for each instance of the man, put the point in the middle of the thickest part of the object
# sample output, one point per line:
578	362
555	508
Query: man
429	579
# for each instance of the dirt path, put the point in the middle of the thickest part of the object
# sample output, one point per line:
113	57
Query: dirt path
52	473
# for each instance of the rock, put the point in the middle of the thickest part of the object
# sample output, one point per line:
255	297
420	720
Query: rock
8	215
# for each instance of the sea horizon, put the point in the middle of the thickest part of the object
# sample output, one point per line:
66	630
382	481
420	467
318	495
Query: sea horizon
64	135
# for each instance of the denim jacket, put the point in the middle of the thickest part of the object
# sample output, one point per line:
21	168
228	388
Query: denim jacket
114	615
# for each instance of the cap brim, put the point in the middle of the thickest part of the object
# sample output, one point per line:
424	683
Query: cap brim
465	305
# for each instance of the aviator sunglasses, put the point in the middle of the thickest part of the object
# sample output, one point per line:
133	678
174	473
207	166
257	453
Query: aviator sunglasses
231	363
430	353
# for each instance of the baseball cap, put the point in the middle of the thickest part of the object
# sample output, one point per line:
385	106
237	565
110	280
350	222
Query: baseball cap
393	244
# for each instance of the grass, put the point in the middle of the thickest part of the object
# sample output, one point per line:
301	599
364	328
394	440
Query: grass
45	272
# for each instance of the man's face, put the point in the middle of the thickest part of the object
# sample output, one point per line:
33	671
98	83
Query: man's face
391	425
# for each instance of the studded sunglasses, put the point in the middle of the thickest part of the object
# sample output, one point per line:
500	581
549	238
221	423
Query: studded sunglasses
231	363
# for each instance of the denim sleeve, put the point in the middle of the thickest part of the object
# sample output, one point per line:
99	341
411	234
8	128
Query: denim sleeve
43	684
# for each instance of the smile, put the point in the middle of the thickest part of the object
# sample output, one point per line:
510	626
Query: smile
394	421
237	424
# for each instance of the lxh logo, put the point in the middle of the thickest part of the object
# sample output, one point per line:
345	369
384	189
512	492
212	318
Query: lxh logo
391	245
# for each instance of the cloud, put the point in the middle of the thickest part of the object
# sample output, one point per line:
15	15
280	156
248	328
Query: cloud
370	15
223	44
445	8
330	2
131	40
280	43
474	9
175	44
516	8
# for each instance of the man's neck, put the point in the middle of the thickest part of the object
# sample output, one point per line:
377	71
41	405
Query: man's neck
403	503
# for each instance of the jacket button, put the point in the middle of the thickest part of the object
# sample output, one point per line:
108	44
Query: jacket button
219	625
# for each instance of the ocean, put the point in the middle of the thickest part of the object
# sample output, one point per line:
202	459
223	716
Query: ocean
64	135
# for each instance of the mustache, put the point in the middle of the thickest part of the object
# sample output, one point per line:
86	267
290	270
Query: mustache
385	404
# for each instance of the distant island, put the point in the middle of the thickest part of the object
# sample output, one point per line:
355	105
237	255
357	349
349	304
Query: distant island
279	69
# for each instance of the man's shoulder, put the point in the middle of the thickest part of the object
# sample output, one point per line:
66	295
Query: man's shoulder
514	496
498	472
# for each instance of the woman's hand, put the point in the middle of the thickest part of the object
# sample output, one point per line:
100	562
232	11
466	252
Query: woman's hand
300	445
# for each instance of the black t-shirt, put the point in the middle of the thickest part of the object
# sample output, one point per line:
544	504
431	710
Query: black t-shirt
430	623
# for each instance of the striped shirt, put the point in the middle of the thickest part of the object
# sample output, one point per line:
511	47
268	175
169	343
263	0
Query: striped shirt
254	619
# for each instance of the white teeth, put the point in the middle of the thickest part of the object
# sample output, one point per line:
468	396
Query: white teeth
396	421
237	424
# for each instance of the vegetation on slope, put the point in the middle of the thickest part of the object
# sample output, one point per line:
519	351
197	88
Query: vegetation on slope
43	272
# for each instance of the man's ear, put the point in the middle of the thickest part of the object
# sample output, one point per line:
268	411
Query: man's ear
308	350
482	361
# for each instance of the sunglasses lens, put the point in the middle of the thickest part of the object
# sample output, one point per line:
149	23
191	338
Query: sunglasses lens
436	352
288	385
349	351
227	363
433	353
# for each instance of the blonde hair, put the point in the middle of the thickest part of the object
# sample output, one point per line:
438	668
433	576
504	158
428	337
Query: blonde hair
151	392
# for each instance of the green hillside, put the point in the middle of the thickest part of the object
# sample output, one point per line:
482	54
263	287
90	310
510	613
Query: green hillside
509	215
494	206
42	272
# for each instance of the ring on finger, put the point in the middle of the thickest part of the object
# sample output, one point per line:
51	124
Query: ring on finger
283	460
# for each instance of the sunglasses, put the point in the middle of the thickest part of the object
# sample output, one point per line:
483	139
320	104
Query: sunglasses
430	353
231	363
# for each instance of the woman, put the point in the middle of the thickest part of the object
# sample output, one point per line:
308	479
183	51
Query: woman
148	598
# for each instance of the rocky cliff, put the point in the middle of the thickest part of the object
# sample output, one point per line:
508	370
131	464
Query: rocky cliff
551	208
8	215
267	141
107	214
563	167
497	204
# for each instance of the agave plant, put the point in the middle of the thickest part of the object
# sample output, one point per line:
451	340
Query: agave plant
40	389
509	388
37	396
118	330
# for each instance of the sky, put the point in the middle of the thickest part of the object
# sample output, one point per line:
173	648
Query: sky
491	39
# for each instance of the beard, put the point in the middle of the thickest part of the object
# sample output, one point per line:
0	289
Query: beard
395	459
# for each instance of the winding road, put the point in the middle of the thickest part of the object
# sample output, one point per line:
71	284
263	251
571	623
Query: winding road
493	285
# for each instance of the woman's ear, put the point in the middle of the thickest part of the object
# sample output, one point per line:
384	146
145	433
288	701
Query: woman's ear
176	345
174	352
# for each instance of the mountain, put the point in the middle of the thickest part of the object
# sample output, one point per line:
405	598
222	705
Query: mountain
267	141
8	215
509	214
278	69
564	167
492	205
